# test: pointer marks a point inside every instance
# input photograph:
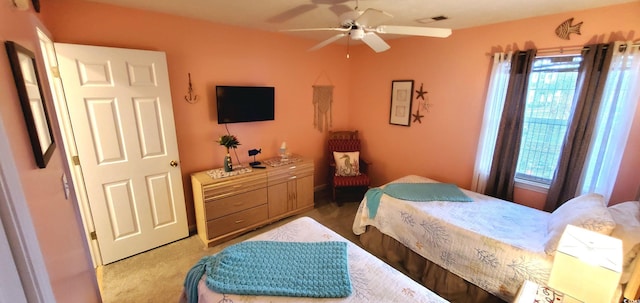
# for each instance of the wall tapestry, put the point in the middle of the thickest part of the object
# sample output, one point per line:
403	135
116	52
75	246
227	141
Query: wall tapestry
322	99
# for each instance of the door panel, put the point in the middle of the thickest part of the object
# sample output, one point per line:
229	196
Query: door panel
122	118
106	130
150	132
122	210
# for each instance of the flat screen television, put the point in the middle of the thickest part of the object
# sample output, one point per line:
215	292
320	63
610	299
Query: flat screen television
245	103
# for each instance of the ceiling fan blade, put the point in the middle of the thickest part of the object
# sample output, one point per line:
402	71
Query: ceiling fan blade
340	29
413	31
292	13
372	17
327	42
339	9
375	42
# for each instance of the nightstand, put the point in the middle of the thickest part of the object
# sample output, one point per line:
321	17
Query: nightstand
531	292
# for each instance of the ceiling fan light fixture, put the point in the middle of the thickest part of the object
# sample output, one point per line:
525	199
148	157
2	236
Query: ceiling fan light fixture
357	34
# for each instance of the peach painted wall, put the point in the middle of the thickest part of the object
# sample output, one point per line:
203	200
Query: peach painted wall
455	72
218	54
56	219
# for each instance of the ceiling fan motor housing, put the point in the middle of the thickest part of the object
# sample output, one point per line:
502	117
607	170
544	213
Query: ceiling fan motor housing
348	19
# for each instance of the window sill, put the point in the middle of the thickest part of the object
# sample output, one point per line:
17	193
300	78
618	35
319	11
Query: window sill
532	186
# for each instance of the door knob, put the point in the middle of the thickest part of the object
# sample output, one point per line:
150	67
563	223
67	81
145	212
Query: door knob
173	163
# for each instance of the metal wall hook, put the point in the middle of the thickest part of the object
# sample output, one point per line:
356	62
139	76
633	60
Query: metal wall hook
191	97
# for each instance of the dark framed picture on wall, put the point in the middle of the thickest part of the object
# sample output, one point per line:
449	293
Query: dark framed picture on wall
401	96
36	5
25	74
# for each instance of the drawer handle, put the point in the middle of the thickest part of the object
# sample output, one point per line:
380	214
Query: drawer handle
239	221
292	177
237	186
237	204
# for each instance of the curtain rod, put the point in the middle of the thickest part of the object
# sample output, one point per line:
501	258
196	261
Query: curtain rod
573	49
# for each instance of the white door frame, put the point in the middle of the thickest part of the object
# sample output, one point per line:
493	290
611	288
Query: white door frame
17	227
68	142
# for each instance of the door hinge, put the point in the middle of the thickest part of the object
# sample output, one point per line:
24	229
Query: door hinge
75	160
93	235
55	71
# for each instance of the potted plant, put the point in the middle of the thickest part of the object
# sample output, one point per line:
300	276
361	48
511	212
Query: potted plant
228	141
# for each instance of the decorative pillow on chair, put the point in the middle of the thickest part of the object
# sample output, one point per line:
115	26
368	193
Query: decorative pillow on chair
347	163
587	211
627	217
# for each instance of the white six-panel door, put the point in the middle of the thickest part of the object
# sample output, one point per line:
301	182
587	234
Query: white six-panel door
121	113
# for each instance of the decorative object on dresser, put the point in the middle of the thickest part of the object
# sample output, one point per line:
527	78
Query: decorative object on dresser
254	152
228	141
228	205
283	152
345	145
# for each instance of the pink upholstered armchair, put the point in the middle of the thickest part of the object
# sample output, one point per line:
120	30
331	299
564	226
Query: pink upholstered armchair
346	168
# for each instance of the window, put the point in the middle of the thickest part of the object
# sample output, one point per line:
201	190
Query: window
549	103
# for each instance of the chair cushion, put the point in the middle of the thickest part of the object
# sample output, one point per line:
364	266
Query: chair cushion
347	164
341	145
360	180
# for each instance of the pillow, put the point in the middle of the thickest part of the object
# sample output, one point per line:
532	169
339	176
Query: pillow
627	218
347	163
587	211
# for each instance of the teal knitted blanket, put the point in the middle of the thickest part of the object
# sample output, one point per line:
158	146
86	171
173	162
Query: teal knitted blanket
417	192
270	268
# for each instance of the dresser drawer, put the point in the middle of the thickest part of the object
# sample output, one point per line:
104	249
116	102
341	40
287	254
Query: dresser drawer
237	221
233	186
284	174
225	206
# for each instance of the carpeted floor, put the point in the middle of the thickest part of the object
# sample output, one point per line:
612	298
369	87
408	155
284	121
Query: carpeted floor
157	275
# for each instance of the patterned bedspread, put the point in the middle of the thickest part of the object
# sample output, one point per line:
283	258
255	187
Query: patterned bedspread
372	280
492	243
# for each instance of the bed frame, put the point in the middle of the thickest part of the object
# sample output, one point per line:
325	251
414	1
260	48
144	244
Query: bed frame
439	280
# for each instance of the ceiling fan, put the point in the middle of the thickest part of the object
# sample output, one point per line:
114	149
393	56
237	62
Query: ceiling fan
366	25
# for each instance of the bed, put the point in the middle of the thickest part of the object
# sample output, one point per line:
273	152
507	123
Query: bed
372	280
480	251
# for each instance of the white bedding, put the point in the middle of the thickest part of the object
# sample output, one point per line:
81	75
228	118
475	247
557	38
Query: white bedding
372	280
492	243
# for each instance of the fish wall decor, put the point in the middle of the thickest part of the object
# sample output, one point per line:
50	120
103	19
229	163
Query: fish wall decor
566	28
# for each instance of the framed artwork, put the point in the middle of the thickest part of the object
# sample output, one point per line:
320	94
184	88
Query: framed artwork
25	74
401	96
36	5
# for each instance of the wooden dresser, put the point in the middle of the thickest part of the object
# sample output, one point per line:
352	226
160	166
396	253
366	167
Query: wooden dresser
227	207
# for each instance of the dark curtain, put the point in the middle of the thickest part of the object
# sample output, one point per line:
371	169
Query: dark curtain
505	156
589	88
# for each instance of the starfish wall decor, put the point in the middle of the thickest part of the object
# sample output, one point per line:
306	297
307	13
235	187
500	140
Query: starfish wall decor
424	104
417	117
420	93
